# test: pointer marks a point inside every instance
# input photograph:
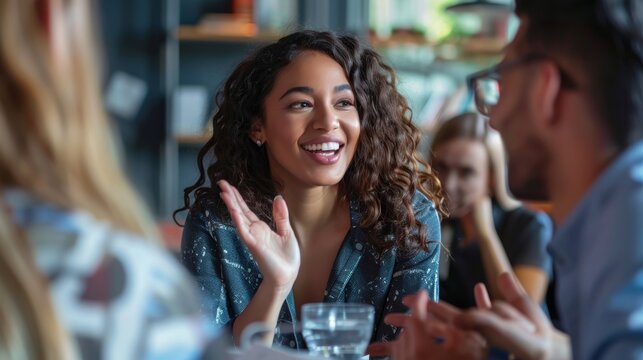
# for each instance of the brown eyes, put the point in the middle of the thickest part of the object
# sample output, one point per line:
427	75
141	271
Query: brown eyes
301	105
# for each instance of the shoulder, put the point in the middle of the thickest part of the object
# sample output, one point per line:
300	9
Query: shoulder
208	206
109	266
619	210
146	285
522	213
207	215
427	214
423	206
143	266
523	219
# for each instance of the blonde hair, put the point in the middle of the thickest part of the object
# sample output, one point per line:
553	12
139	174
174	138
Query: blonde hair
55	144
474	127
29	328
55	139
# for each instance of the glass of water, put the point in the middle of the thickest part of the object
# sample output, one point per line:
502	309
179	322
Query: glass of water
337	330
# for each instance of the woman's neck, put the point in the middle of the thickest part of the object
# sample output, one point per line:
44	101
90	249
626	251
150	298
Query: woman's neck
468	229
315	210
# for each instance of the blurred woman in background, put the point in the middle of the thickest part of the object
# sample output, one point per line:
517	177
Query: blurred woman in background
488	232
72	230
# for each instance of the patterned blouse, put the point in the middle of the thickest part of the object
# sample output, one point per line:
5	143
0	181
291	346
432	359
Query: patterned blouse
228	276
119	297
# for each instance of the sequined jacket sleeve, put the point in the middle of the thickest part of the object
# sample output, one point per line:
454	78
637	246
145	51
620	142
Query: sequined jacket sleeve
224	269
200	254
412	273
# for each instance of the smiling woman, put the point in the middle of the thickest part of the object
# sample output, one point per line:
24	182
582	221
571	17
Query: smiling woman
321	195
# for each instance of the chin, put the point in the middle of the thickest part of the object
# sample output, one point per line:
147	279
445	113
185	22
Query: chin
321	181
458	213
530	187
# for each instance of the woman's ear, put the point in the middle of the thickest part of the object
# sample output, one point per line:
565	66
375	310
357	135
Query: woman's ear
256	131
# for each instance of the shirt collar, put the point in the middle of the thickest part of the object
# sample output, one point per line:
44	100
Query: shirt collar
564	244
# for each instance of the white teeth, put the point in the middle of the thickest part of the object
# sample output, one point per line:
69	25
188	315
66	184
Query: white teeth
327	146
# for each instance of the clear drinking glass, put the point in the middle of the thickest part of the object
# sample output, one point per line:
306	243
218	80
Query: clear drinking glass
337	330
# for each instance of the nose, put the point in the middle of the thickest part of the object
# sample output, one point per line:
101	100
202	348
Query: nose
451	183
326	118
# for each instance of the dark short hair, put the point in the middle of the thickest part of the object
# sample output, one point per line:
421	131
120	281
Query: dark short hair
605	39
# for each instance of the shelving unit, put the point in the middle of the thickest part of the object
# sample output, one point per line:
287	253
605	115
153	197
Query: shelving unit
201	33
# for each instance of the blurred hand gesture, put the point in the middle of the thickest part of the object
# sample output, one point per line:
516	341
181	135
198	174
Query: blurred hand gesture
517	325
277	253
429	333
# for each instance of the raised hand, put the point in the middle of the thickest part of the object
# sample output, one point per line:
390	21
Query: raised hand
276	253
517	325
429	333
482	216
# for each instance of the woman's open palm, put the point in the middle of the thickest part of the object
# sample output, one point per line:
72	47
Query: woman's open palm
277	253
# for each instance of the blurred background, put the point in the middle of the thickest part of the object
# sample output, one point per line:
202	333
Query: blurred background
164	61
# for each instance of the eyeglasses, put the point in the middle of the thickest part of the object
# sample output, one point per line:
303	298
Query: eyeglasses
485	84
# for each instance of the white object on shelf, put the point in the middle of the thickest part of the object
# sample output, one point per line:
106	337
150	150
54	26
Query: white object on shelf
189	110
275	15
125	94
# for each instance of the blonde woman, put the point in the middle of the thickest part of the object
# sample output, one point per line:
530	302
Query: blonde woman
488	232
69	212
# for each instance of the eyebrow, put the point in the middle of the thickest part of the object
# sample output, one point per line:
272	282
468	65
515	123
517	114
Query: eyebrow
308	90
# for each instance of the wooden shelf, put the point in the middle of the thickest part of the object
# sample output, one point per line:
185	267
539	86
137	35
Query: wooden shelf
196	139
201	33
483	46
399	40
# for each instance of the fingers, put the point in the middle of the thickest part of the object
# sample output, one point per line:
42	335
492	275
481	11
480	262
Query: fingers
380	349
240	220
242	204
509	312
438	330
443	311
515	295
236	206
232	203
500	332
397	320
280	216
510	288
482	296
417	304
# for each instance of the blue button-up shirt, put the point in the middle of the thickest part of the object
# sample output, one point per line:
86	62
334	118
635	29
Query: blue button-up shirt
598	254
228	275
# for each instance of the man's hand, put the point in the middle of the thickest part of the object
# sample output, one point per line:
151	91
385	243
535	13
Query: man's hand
428	336
517	325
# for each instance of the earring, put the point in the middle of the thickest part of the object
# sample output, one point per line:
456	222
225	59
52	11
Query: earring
259	143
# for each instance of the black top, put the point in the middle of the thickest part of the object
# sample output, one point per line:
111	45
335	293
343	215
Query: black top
524	235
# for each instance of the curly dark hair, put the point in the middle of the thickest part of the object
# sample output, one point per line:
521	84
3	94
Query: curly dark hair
386	169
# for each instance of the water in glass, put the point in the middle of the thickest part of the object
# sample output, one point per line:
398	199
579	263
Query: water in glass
339	331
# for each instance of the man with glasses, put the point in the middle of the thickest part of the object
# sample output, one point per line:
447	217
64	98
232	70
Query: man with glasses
568	101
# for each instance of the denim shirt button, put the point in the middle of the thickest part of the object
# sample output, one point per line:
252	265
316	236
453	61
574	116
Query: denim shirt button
358	246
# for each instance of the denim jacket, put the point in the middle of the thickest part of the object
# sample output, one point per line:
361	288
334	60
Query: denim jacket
228	276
